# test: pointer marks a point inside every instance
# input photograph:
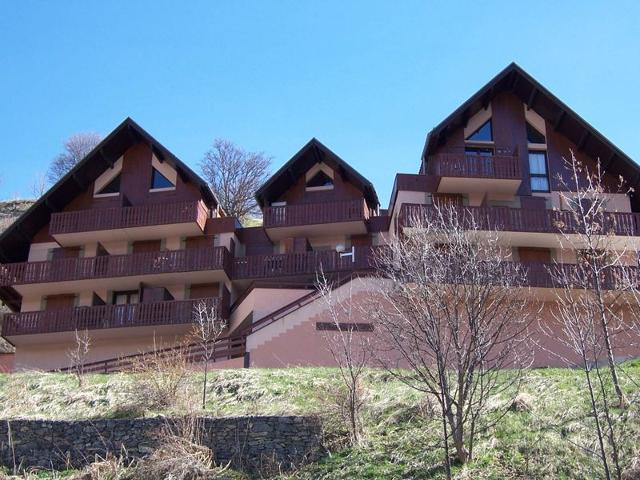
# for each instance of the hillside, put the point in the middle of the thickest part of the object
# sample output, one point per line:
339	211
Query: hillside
546	434
12	209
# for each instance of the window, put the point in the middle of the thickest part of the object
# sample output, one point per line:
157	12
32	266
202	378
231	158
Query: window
482	151
110	188
158	180
538	171
534	136
127	297
320	181
483	134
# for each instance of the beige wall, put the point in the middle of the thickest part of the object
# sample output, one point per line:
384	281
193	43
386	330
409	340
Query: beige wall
105	344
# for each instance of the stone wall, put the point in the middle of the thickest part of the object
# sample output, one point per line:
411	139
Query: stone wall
249	443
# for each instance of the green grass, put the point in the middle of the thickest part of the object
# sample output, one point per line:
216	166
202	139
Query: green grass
546	441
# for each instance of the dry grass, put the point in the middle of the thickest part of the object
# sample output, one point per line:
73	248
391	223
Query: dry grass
160	380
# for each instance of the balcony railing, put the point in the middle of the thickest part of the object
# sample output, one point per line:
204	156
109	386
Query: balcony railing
304	263
613	278
523	220
315	213
127	217
111	266
102	317
506	167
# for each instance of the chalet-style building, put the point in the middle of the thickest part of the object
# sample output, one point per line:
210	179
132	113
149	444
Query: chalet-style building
131	238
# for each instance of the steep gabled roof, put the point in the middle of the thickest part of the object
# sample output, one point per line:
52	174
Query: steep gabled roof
564	120
313	152
15	240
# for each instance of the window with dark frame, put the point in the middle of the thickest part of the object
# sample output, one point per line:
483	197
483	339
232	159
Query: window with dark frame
534	136
538	171
320	179
112	187
481	151
484	133
158	180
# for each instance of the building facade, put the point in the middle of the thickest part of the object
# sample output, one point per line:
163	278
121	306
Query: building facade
128	241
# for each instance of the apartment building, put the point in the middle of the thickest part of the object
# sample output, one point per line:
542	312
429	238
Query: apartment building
131	238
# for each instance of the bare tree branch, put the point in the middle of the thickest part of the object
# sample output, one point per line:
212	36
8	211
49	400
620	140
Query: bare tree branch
452	310
234	175
76	147
208	326
350	349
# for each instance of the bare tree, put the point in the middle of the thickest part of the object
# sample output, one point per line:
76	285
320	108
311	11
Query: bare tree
597	236
349	345
208	327
453	312
76	147
590	297
234	175
78	354
39	185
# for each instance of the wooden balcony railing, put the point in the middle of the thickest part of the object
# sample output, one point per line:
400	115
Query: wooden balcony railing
524	220
127	217
304	263
102	317
506	167
613	278
315	213
111	266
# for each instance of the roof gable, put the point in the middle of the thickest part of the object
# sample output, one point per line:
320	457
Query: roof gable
312	153
563	119
15	240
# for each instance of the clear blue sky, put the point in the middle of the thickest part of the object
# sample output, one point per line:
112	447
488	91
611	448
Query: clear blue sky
368	79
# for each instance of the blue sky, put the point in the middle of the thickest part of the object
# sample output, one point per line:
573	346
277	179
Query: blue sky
369	79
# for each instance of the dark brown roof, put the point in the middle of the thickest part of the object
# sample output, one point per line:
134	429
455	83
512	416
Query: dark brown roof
15	240
313	152
547	105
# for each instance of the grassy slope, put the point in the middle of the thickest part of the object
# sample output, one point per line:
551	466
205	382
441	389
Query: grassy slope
401	428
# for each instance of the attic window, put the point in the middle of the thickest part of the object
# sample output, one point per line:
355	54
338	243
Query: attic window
159	181
534	136
111	188
320	181
484	133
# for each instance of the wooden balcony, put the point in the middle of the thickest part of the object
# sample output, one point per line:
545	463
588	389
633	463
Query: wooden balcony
131	223
466	165
461	172
347	217
523	220
301	264
116	266
538	275
102	317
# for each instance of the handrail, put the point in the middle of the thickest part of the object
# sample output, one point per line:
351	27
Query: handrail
300	263
111	266
127	217
223	349
315	213
524	220
474	166
170	312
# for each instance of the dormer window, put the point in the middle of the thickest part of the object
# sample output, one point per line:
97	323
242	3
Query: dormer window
159	181
534	136
484	133
320	181
111	188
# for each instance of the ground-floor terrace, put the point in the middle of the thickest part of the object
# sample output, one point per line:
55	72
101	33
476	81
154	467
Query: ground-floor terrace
270	326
